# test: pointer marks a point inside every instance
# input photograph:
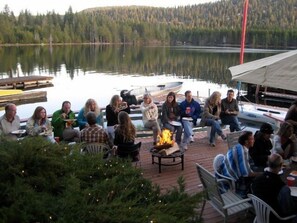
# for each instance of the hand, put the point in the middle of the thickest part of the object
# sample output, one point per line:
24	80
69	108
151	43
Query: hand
63	115
152	107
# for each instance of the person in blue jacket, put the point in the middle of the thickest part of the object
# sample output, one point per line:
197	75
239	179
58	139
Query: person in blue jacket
190	112
91	105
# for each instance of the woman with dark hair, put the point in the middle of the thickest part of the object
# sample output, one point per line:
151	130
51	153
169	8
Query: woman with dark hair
171	115
125	132
262	146
39	124
291	115
284	142
112	111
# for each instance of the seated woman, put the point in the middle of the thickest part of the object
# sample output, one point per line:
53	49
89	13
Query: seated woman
171	112
91	105
262	146
112	110
39	124
284	142
211	116
150	116
125	134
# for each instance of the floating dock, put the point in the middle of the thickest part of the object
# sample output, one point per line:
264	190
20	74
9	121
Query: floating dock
27	82
24	97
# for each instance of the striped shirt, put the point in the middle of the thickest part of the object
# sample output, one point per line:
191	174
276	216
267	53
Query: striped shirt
236	162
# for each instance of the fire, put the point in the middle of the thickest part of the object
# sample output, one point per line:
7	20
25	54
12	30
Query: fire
165	138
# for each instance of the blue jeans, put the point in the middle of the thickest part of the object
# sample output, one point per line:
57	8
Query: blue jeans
232	121
215	128
178	129
188	131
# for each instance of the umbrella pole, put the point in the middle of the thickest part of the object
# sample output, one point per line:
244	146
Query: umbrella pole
242	44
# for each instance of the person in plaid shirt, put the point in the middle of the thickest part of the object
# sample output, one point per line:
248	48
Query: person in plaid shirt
93	132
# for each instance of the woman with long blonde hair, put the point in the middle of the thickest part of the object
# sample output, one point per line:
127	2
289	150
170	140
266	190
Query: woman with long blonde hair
211	116
91	105
150	116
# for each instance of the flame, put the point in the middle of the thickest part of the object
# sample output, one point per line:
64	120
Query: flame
165	137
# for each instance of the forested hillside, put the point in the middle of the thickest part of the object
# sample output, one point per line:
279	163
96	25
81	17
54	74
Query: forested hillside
271	24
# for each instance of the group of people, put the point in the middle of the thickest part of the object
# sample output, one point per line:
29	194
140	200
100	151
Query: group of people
255	164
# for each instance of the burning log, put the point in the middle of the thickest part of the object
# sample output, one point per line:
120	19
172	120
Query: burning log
165	143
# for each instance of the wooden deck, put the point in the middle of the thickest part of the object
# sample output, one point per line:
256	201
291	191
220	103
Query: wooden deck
25	97
198	152
25	82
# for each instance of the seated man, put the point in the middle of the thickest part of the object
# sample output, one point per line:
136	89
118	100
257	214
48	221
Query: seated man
229	112
9	122
270	188
236	164
189	109
94	133
62	129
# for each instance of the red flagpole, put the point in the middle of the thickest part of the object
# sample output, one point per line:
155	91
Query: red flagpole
243	30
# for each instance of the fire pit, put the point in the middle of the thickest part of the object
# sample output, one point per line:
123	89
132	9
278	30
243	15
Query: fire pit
166	148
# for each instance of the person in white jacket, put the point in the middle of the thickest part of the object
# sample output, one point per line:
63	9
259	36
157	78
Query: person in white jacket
150	116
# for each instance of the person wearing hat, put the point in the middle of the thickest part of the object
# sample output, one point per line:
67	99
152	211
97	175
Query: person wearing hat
262	146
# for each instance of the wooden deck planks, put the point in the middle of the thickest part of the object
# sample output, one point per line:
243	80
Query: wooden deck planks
198	152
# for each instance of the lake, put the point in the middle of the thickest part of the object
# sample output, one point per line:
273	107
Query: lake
88	71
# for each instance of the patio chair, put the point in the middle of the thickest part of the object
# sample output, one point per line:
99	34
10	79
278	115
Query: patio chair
217	164
232	138
264	211
95	148
227	203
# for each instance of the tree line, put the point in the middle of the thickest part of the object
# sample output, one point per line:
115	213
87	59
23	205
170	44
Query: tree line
271	24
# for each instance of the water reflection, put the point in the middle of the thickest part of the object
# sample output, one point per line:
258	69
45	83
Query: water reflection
87	71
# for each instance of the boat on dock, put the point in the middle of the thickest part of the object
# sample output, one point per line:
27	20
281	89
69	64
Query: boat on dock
250	112
153	90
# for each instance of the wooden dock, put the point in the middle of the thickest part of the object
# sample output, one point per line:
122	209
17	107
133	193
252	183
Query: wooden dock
27	82
25	97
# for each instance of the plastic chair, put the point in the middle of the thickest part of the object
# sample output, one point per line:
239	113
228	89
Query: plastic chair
264	211
95	148
217	164
227	203
232	138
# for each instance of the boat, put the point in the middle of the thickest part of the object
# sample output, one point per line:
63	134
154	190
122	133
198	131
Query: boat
10	92
136	94
250	112
157	90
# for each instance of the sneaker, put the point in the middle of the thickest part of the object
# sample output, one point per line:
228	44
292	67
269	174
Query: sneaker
212	144
191	139
223	137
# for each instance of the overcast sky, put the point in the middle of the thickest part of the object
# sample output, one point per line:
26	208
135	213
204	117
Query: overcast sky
61	6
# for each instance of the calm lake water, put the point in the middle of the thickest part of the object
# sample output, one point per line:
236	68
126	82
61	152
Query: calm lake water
84	71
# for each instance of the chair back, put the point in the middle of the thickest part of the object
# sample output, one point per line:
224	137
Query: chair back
217	167
95	148
264	211
210	185
129	151
232	138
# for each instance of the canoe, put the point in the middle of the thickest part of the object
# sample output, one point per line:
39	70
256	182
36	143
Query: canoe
261	113
156	90
10	92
